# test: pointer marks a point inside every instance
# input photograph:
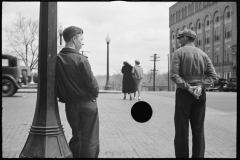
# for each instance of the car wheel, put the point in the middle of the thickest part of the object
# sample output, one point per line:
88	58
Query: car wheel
8	88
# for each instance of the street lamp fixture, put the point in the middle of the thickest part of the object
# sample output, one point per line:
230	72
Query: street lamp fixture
60	31
107	86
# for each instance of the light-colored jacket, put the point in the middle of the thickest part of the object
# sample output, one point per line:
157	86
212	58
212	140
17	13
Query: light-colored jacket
191	66
137	72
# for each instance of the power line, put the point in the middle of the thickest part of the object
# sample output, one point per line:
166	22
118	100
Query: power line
154	70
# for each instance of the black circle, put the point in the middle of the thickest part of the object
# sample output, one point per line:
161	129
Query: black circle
141	111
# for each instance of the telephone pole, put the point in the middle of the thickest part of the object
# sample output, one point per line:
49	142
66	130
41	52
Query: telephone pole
154	70
84	51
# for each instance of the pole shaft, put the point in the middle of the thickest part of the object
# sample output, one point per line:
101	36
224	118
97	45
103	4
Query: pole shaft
154	72
107	62
168	72
60	39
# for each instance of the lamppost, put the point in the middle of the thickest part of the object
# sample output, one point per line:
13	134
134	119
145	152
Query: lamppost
46	137
107	86
60	31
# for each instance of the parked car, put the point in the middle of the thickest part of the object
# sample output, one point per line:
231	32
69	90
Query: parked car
11	79
218	85
231	85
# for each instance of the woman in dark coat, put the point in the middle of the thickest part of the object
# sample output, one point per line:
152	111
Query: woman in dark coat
128	82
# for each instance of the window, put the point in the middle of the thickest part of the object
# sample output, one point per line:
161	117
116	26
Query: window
227	75
207	37
183	14
227	31
199	25
191	26
173	50
200	5
192	9
186	11
227	51
189	9
206	21
173	36
217	34
176	16
217	19
216	57
180	14
5	62
227	13
199	40
207	51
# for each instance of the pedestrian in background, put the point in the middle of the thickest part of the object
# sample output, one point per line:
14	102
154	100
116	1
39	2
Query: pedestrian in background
78	89
128	86
192	71
137	73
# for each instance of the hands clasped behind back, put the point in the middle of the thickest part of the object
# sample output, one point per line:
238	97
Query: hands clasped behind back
196	91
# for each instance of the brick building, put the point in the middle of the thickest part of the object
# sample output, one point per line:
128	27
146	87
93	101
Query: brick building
215	24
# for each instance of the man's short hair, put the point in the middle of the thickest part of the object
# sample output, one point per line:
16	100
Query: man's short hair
70	32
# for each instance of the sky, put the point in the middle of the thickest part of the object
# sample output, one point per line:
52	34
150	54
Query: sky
137	30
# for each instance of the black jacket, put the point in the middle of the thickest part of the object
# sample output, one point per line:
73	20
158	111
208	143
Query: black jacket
74	77
127	81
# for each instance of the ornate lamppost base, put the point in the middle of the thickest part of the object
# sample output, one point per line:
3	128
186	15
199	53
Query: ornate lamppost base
107	86
45	142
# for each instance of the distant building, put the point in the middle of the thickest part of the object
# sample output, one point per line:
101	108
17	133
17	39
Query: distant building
215	24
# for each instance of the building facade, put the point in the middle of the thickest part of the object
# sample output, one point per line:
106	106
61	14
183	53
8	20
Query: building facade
215	24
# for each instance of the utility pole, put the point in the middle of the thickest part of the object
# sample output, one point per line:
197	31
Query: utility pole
84	51
154	59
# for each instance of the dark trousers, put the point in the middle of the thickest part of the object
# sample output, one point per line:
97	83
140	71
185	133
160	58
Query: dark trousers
188	108
84	121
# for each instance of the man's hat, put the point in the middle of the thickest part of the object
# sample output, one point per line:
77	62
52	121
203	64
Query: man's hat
137	61
187	33
71	31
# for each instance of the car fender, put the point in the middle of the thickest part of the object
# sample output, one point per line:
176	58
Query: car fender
6	76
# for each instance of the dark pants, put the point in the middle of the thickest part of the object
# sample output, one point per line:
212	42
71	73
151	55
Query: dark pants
188	108
84	121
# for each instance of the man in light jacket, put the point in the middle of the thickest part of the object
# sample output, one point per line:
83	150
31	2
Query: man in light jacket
192	71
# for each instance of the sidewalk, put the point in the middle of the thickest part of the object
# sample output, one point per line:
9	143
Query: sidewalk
120	135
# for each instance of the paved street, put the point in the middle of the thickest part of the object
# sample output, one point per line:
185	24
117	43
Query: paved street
120	135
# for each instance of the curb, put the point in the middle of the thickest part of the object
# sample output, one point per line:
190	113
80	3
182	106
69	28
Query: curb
34	90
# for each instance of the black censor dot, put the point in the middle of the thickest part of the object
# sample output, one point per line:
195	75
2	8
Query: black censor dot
141	111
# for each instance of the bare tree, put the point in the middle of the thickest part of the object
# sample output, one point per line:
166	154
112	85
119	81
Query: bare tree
22	40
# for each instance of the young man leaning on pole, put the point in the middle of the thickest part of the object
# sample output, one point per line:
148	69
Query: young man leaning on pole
192	71
78	89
